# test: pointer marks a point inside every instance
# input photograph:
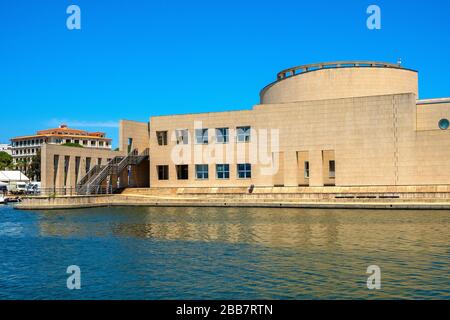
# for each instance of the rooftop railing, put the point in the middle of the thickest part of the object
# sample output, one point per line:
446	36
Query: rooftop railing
334	65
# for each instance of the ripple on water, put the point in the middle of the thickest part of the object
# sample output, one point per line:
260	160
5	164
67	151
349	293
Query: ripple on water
224	253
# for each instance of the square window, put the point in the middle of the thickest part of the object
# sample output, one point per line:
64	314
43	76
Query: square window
162	138
244	171
201	136
182	136
243	134
182	172
201	171
163	172
222	135
222	171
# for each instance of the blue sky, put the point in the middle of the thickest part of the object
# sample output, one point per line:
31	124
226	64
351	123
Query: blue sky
137	58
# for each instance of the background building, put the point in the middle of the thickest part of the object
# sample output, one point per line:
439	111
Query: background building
6	148
25	147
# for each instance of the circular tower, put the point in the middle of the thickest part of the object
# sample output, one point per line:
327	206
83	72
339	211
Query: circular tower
336	80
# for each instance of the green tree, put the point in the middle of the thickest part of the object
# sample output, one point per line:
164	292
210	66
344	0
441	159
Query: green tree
6	161
21	165
71	144
35	167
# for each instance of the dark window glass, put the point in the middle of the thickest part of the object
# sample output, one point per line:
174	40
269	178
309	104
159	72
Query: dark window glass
201	171
223	171
444	124
163	172
244	171
306	169
332	168
182	172
162	138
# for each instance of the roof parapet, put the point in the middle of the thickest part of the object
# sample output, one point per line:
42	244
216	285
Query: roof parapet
333	65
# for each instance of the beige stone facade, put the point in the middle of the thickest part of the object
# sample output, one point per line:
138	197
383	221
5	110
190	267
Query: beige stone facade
133	135
348	125
63	167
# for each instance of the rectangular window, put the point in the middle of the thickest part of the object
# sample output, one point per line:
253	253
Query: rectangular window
243	134
332	169
100	143
162	138
163	172
201	136
201	171
182	136
307	169
182	172
222	135
130	145
222	171
244	171
88	164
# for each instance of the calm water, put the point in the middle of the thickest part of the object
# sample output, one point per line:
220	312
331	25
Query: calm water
224	253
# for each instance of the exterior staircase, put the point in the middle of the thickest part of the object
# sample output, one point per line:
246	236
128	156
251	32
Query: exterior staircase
92	182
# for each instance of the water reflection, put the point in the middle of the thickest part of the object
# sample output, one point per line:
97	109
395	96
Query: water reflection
339	229
226	253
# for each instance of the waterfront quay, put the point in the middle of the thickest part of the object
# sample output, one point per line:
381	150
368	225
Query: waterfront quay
337	197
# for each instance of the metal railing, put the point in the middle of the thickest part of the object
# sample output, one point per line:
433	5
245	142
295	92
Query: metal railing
339	64
66	191
95	177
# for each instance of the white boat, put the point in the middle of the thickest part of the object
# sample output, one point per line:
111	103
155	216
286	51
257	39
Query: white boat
2	200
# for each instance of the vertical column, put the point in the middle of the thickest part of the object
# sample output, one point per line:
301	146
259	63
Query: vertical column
290	169
278	167
82	169
59	183
46	170
316	168
71	183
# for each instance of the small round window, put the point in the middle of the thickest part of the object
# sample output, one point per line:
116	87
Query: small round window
444	124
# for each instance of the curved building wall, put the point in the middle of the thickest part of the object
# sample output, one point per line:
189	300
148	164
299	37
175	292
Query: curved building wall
336	83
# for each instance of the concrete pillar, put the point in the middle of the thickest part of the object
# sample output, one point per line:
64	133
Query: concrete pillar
82	172
290	169
71	173
316	168
59	183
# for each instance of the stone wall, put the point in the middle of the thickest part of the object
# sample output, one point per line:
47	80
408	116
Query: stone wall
64	167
